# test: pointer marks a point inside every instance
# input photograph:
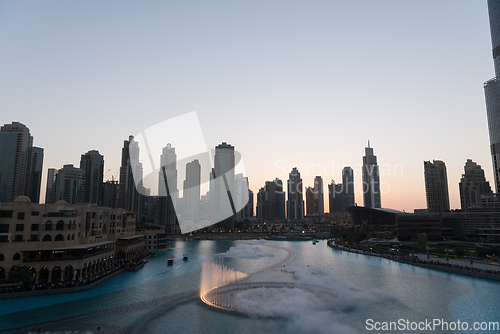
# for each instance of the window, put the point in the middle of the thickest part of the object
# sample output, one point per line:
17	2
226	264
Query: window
34	227
4	238
59	237
35	213
34	237
2	258
20	215
19	227
4	228
60	225
48	226
16	257
47	237
18	238
5	214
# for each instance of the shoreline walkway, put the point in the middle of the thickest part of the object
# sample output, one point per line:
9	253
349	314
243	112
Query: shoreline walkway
456	266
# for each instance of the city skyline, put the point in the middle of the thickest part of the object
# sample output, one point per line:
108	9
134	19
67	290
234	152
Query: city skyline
123	87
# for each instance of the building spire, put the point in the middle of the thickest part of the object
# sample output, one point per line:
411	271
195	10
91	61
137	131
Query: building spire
368	143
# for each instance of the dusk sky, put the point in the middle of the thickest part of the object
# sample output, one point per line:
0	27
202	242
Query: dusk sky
288	83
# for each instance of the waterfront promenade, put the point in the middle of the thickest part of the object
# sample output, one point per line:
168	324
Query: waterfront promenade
456	266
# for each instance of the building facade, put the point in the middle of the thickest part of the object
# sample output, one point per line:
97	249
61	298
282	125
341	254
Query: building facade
20	163
166	209
295	202
473	185
92	164
492	91
436	186
129	198
69	184
62	242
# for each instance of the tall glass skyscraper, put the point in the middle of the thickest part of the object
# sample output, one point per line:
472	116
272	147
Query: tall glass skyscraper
371	180
492	91
20	163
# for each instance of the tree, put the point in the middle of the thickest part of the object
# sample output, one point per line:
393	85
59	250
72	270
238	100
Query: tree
20	274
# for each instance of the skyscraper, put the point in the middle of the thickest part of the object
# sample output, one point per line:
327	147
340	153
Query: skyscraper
50	190
492	91
224	162
371	180
35	177
436	186
271	201
319	199
315	203
92	164
129	197
347	188
243	197
191	192
18	175
295	202
69	184
472	185
335	197
166	211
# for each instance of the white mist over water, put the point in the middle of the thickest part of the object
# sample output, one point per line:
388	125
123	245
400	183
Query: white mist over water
318	303
246	253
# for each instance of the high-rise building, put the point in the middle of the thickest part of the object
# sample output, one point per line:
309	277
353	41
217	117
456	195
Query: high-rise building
50	191
271	201
310	205
191	192
92	164
295	203
224	163
243	197
19	175
129	197
319	199
35	177
110	197
166	210
315	203
347	188
473	185
69	184
436	186
371	180
492	91
335	197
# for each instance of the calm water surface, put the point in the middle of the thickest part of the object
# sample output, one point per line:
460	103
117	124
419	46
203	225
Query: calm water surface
351	288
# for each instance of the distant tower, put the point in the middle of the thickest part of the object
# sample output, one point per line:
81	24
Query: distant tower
224	162
335	196
166	211
472	185
18	174
35	177
129	197
241	194
492	91
295	203
50	191
271	201
92	164
319	199
69	184
347	188
191	192
436	186
371	180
